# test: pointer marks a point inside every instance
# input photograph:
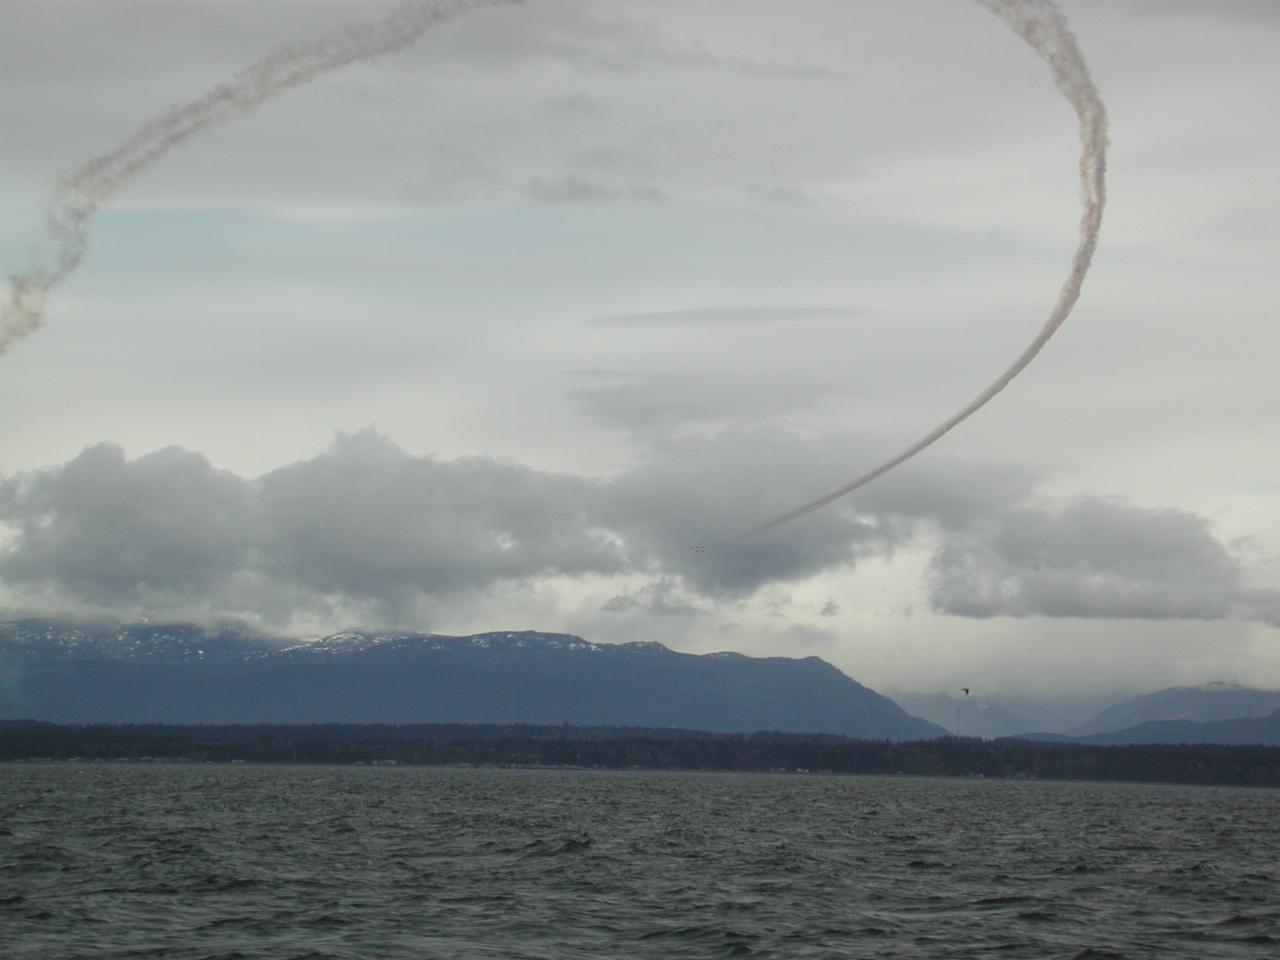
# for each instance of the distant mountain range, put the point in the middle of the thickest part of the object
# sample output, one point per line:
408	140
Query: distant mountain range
1246	730
1218	713
1202	704
180	673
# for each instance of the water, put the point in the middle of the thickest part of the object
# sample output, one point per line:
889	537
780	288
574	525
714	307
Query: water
327	862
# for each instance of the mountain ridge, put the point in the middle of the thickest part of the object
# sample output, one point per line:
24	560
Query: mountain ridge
1238	731
183	673
1207	702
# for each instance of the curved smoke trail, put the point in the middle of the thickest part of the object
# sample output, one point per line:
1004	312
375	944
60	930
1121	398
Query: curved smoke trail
1042	25
78	195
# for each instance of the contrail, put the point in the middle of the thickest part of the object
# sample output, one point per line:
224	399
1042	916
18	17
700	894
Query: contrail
79	194
1041	24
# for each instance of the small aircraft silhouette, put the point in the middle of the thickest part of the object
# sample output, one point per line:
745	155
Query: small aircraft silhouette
965	691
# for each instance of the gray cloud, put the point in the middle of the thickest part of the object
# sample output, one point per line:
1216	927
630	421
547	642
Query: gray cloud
367	519
363	523
105	529
1263	12
803	639
691	488
366	526
572	188
598	40
602	38
954	493
658	403
663	597
716	316
366	530
573	105
1094	557
781	195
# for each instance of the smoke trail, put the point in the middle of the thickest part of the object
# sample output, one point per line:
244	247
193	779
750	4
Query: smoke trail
78	195
1041	24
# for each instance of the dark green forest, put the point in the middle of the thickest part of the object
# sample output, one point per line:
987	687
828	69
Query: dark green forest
625	748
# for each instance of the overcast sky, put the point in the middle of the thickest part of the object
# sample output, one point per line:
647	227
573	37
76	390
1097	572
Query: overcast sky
487	333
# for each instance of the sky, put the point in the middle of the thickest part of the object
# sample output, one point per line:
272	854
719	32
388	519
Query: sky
490	332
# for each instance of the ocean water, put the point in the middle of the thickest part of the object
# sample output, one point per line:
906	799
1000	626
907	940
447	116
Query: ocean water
173	861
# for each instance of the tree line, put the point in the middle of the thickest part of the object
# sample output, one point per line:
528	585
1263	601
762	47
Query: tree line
624	748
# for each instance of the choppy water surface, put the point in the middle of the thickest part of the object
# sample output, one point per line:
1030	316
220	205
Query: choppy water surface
241	861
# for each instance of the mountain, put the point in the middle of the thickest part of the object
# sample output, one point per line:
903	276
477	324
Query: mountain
1241	731
1209	702
180	673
